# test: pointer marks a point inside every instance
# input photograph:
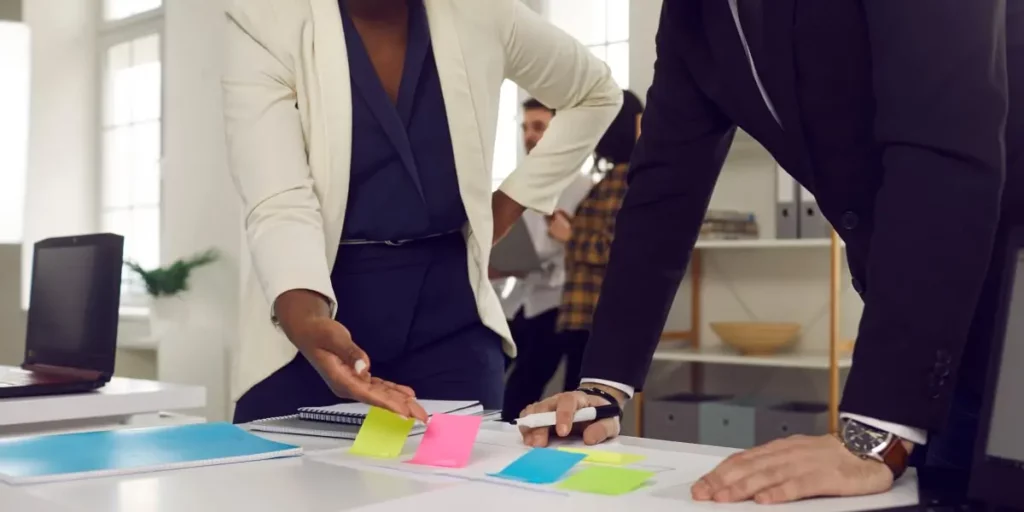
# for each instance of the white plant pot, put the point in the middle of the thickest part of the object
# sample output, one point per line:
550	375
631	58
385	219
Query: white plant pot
166	315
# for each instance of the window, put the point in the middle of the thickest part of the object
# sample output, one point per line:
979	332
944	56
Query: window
130	134
114	10
601	25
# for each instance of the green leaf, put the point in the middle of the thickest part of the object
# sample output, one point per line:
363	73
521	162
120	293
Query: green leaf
172	279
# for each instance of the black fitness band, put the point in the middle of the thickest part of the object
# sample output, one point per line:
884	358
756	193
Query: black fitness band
602	394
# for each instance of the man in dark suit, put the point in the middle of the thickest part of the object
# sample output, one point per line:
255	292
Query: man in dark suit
905	119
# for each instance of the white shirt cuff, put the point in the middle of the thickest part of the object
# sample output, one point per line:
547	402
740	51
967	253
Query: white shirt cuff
628	390
914	435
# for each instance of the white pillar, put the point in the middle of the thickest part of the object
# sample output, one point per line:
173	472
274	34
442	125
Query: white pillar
200	206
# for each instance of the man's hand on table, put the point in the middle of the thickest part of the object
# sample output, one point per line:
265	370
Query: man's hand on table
791	469
565	406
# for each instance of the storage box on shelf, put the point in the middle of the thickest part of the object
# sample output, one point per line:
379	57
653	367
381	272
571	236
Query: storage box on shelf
731	423
676	417
734	422
790	418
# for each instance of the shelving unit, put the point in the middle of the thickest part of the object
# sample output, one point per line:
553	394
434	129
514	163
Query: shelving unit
808	360
835	357
830	360
798	243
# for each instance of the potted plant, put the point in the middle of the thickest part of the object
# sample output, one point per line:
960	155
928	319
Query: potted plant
164	285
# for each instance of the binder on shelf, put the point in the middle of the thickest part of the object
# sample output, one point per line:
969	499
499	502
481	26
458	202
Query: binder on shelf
787	208
812	223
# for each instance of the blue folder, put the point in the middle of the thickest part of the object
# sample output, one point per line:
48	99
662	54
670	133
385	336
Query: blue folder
48	458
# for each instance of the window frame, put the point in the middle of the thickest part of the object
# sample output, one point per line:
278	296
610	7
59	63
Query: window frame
110	33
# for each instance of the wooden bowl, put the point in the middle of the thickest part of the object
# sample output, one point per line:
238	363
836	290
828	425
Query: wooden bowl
756	338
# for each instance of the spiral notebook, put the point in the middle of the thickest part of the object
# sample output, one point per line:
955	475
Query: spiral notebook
294	425
354	413
50	458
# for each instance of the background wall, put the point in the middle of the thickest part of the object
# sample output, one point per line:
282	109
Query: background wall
643	24
12	318
61	185
201	209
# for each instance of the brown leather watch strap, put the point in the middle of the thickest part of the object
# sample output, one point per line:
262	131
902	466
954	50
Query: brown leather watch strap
896	457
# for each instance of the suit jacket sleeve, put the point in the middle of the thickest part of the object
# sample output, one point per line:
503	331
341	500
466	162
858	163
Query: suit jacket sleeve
267	160
562	74
683	145
939	71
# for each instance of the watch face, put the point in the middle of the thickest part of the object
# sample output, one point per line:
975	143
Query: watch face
862	439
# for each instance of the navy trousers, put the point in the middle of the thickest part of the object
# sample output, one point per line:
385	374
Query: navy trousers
412	310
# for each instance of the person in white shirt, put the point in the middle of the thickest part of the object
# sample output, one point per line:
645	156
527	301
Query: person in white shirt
531	302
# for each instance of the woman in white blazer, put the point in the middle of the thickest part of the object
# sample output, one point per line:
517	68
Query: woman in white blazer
360	137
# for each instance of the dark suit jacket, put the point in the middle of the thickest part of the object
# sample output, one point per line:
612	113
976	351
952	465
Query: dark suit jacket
897	116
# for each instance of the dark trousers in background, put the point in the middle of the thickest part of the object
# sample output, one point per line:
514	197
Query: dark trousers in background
540	351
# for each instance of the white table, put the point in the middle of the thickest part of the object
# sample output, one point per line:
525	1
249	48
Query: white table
320	481
121	401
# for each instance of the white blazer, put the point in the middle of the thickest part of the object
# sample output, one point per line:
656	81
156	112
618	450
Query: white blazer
287	108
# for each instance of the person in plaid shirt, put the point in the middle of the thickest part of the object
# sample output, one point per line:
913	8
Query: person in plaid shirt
593	226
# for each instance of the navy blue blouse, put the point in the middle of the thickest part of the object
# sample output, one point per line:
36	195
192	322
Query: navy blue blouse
403	182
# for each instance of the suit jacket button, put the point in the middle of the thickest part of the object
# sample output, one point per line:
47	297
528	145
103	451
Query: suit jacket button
850	221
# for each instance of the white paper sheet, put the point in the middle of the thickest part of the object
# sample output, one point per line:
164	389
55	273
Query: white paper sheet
668	490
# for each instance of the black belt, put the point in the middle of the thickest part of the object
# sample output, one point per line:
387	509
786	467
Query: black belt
399	243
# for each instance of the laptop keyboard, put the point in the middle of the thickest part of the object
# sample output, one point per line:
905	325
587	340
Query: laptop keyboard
19	377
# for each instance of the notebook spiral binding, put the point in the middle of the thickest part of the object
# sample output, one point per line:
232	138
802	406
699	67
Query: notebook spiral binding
314	414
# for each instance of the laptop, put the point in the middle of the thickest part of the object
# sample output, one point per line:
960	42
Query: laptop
74	300
515	254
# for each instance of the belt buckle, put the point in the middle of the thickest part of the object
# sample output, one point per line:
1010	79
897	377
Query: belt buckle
395	243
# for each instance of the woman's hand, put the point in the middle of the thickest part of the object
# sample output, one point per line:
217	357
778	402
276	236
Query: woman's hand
329	348
559	226
565	406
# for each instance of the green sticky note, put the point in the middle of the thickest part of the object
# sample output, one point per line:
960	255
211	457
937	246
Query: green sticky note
382	434
610	458
608	480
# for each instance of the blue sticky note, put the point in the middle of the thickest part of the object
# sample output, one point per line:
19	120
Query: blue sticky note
45	458
540	466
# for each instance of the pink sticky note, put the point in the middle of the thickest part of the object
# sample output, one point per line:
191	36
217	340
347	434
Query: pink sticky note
448	441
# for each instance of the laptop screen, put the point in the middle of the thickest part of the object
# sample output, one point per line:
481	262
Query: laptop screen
73	302
1005	440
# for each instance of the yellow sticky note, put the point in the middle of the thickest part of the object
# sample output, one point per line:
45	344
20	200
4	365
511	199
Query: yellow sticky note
608	480
382	434
610	458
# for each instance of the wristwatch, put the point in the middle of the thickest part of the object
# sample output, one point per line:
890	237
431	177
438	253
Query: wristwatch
868	442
